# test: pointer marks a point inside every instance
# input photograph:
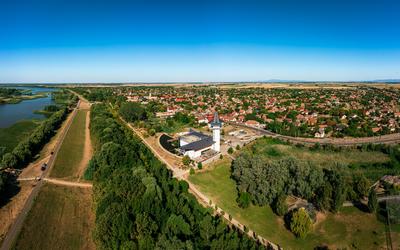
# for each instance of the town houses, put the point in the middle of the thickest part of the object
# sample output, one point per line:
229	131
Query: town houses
351	111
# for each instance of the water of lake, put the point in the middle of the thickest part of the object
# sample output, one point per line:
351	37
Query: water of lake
11	113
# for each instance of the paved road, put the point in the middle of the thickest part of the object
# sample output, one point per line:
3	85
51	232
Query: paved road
17	225
182	175
384	139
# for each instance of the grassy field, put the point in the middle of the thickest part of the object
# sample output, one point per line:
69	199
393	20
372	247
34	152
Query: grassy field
60	218
349	228
11	136
71	151
272	149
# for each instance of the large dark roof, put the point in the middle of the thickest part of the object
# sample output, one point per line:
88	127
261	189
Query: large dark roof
197	145
197	134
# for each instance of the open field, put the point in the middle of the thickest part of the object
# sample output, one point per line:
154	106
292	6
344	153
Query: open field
72	150
11	136
61	218
270	148
273	149
350	227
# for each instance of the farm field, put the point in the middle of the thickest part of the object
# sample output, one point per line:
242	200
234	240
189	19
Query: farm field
72	150
11	136
349	228
61	218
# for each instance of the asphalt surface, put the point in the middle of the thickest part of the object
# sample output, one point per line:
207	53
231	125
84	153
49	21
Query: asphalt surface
15	228
384	139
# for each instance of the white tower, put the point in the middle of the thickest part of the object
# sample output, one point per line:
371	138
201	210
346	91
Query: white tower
216	128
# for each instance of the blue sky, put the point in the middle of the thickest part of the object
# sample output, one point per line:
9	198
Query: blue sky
167	41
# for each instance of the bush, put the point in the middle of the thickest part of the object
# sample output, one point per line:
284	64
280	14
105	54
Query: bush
191	172
230	150
244	200
199	165
221	157
237	147
300	223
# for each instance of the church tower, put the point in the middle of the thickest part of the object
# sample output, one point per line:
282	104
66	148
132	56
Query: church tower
216	128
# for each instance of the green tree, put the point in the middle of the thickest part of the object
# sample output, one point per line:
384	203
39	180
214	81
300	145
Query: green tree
300	223
199	165
186	160
372	201
152	132
132	111
9	160
279	205
191	172
230	150
360	185
244	200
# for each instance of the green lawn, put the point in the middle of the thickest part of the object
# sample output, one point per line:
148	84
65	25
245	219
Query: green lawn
61	218
349	228
71	151
11	136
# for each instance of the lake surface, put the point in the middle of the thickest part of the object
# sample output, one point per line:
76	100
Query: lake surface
12	113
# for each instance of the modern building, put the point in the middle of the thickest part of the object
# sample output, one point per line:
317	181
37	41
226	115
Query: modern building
194	143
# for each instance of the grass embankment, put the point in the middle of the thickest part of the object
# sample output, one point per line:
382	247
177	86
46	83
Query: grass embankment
11	136
71	152
60	218
349	228
18	99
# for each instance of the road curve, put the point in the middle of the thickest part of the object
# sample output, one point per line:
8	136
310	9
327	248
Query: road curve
384	139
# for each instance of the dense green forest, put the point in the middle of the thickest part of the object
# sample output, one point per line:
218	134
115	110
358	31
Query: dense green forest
138	203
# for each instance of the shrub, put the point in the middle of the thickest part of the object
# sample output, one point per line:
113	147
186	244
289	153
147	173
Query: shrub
191	172
237	147
199	165
230	150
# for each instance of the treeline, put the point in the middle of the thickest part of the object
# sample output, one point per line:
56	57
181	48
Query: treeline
138	203
64	98
144	116
10	92
27	149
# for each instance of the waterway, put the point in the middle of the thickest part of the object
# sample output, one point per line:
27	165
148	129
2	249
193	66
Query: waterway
12	113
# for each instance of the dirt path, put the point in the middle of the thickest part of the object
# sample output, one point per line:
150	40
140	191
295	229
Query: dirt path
87	150
68	183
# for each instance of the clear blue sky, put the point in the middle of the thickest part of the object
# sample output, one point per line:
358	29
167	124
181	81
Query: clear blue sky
156	41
